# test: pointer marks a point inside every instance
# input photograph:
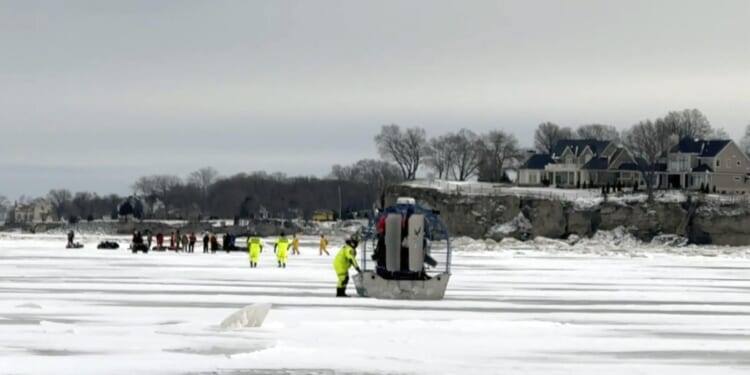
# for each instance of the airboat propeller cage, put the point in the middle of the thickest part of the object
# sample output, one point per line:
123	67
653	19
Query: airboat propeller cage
410	230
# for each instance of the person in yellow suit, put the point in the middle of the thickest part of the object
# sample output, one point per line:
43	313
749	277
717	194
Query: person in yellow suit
346	257
323	245
254	248
295	245
281	247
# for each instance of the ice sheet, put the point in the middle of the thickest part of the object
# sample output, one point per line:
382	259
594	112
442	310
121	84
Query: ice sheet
540	307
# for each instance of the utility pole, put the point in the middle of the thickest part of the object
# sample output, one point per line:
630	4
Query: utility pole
340	217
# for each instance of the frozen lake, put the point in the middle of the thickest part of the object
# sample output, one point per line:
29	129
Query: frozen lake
91	311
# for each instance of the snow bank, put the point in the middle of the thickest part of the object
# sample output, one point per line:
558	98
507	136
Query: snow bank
581	198
518	224
617	242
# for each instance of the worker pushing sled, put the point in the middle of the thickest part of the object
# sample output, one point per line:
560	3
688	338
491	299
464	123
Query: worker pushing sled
345	259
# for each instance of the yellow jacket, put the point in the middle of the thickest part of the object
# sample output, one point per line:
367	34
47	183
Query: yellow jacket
254	247
282	245
344	259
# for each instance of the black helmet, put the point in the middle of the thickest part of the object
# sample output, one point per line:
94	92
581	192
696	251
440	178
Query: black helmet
353	241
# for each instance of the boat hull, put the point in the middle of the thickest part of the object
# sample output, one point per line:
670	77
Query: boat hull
370	284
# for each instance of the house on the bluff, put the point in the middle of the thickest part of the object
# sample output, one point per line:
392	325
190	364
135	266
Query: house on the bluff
691	164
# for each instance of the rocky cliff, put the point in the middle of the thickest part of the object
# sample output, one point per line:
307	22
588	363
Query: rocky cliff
507	215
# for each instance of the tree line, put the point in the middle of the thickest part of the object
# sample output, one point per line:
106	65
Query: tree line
404	152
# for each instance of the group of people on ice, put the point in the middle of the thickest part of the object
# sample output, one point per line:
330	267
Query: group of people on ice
344	260
183	242
280	248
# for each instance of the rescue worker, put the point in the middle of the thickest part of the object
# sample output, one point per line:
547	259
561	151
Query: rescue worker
159	241
323	245
280	248
295	245
205	242
254	248
346	257
379	254
192	239
185	240
177	241
214	242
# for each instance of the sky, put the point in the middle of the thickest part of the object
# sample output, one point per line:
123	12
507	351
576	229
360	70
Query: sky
94	94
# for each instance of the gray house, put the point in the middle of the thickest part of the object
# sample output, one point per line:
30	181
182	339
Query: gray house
720	164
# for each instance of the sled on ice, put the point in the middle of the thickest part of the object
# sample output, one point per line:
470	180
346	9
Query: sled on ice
406	254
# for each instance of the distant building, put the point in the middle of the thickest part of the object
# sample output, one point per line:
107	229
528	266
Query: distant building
37	211
138	208
263	213
563	167
323	215
716	163
690	165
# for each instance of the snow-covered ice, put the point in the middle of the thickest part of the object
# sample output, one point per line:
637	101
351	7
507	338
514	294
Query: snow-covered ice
539	307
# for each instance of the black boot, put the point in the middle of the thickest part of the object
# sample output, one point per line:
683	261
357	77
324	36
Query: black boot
341	292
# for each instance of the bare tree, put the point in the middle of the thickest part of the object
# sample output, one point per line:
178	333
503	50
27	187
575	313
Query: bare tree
4	208
688	123
547	134
342	173
467	151
649	142
719	133
82	204
745	141
202	180
599	132
499	152
405	148
377	175
60	200
159	187
440	155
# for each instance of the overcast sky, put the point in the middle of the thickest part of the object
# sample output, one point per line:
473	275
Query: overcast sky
95	93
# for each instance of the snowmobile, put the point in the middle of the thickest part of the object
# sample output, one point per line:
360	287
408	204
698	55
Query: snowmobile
108	245
401	244
74	245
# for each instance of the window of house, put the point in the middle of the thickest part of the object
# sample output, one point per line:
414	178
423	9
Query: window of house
718	163
738	163
737	178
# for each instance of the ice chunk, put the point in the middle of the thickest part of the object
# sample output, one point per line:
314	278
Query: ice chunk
248	316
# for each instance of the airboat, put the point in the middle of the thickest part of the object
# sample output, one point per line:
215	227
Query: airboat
406	254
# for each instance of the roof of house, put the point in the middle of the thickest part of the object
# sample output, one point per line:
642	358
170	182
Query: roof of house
578	145
538	161
705	148
628	167
702	168
596	164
